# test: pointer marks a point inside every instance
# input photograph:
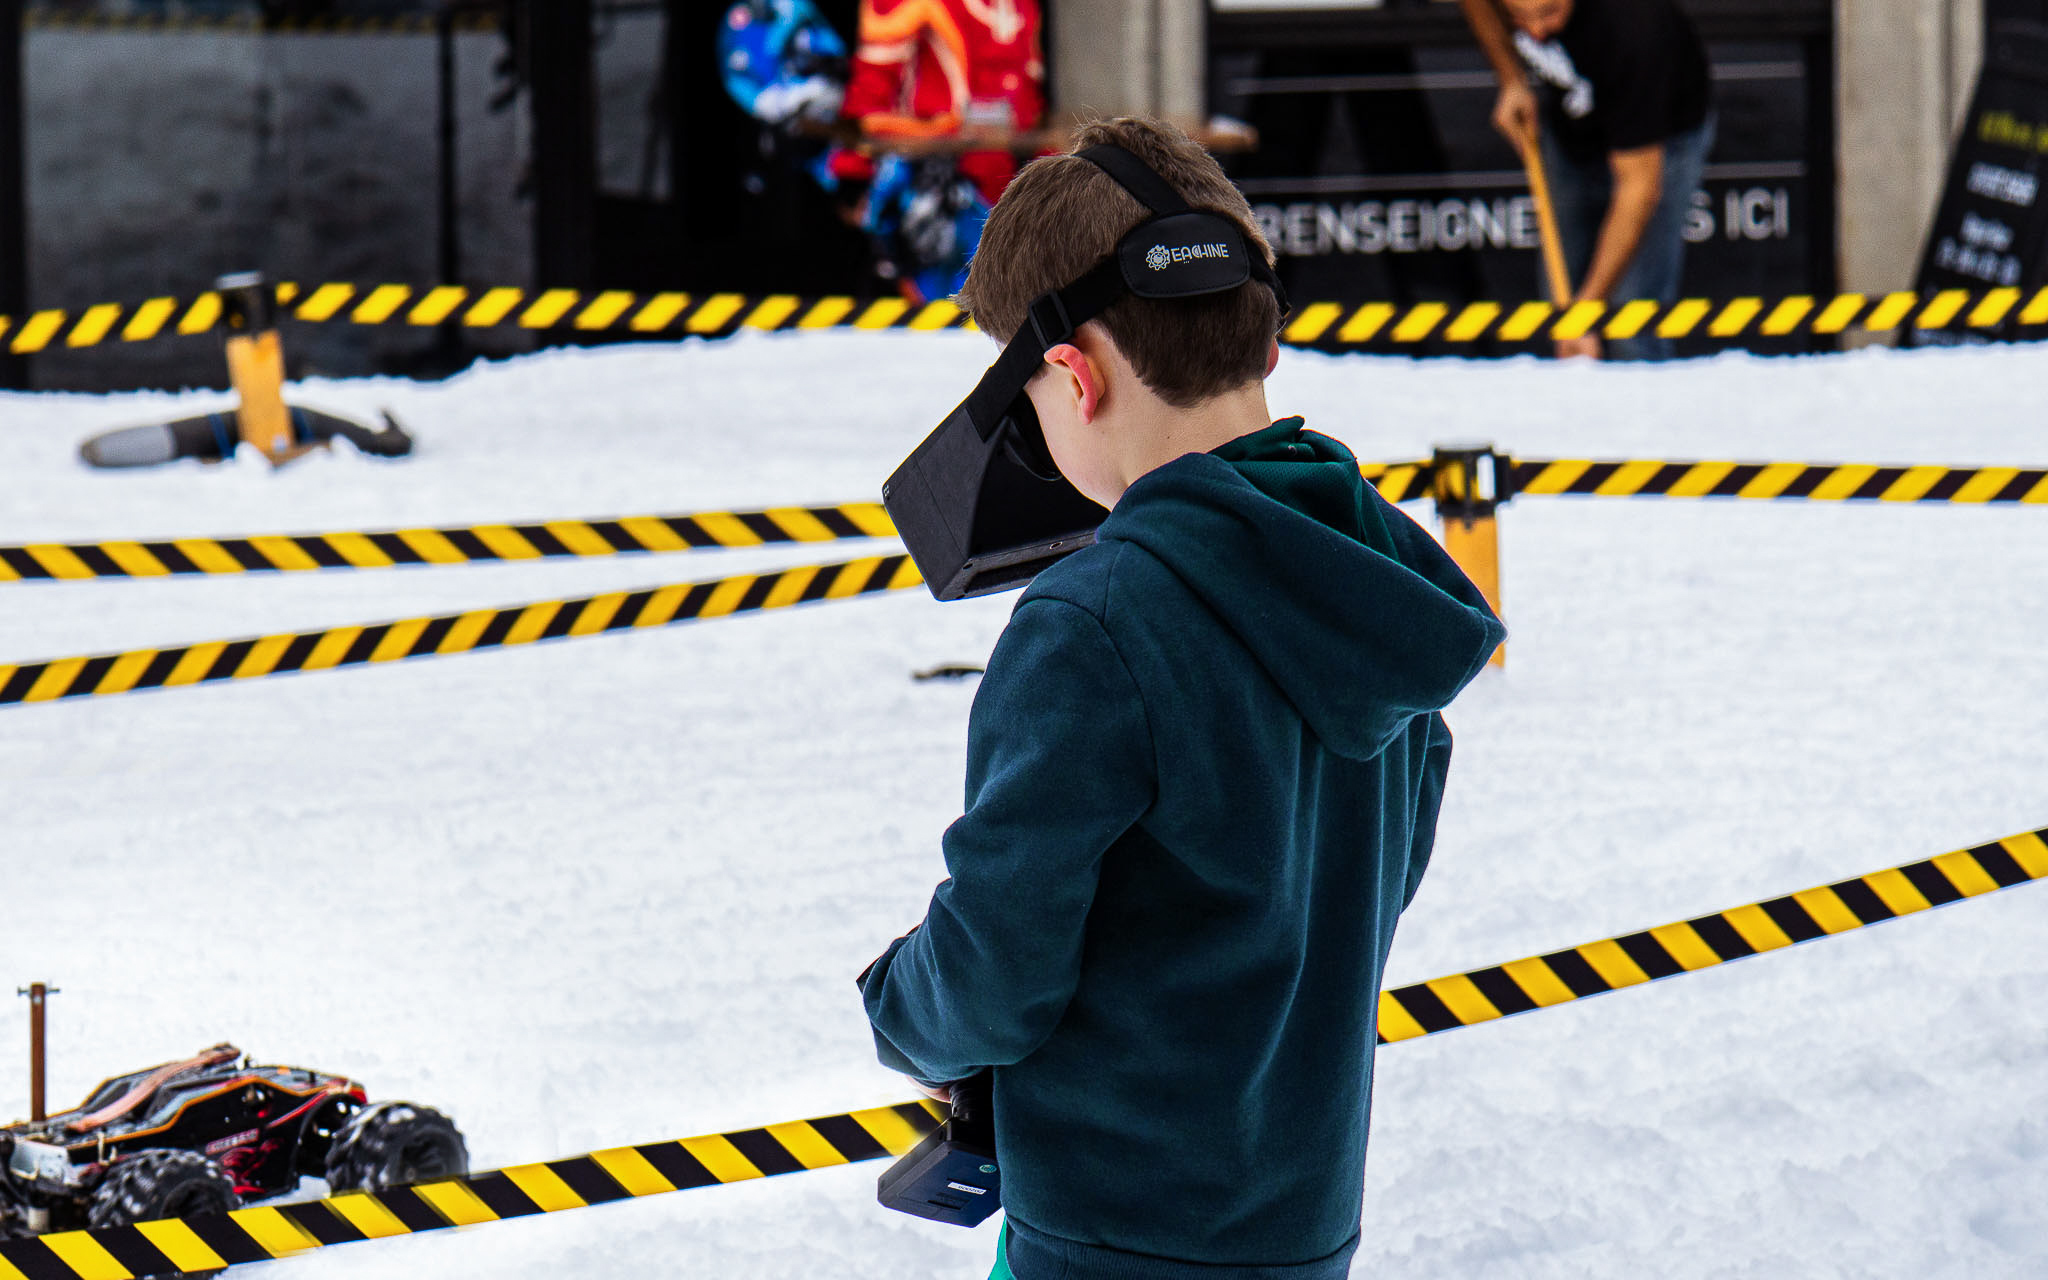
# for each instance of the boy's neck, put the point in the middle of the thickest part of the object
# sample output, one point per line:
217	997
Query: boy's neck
1156	432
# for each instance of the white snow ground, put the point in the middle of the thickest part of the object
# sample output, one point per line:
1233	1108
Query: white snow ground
614	890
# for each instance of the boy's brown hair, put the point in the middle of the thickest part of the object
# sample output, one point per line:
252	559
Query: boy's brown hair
1062	215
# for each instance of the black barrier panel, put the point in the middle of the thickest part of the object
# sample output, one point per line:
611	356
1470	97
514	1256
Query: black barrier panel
1379	175
2000	12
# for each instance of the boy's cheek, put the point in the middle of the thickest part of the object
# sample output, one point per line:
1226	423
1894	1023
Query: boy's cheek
1070	446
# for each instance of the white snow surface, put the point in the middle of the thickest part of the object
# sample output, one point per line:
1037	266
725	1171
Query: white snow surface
615	890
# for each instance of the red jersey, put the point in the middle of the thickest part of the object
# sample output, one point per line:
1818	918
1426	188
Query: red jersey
924	68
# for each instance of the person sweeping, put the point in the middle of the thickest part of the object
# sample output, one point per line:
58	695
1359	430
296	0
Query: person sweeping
1622	127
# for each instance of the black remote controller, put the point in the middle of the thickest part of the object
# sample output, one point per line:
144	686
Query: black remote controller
951	1176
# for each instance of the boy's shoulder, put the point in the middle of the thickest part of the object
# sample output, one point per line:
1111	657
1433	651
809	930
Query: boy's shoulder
1082	579
1127	564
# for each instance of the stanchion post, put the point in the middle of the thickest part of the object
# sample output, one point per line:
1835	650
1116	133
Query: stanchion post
255	355
38	995
1469	482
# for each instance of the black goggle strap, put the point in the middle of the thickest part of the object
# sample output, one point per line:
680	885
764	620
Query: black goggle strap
1264	275
1136	177
1053	318
1050	321
1156	194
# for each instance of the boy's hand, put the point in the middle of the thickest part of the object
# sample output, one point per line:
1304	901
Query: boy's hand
937	1092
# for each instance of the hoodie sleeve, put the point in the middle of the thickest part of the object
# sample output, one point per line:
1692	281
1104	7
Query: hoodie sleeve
1059	764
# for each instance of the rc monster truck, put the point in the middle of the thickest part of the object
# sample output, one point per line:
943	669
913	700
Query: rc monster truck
207	1135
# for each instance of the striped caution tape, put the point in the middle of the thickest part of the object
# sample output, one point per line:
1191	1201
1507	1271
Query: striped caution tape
1812	481
207	1241
1399	481
137	322
1540	982
570	310
1396	481
292	553
39	18
1340	325
259	1234
1328	325
623	535
254	658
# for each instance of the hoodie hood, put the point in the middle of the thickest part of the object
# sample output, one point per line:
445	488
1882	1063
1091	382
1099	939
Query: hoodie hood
1354	612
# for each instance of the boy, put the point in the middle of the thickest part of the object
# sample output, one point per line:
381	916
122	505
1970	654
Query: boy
1202	781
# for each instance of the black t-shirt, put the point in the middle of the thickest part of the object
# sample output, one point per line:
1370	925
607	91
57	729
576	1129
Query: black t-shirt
1621	74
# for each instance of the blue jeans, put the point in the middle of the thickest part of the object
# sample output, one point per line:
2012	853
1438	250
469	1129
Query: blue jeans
1580	191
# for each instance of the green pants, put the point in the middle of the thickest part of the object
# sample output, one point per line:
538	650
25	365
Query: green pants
1002	1271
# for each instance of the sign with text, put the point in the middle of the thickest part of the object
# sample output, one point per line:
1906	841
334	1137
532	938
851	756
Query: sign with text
1991	230
1379	175
1477	223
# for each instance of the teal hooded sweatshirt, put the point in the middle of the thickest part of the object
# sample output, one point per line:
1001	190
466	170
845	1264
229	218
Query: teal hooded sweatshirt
1203	773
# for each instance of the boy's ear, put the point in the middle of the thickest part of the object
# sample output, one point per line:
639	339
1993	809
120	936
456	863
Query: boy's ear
1081	377
1272	356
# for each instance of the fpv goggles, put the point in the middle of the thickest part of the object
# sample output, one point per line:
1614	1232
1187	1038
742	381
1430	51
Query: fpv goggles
980	505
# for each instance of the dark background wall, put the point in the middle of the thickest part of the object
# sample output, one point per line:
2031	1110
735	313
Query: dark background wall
158	160
594	146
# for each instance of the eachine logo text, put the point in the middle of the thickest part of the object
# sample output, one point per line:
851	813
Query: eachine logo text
1159	257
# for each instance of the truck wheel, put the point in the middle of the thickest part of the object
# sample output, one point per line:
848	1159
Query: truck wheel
161	1184
389	1144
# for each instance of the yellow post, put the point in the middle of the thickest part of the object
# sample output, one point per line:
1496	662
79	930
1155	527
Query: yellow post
1466	503
256	368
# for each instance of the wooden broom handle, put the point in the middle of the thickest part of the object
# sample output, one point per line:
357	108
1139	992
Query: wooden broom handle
1546	226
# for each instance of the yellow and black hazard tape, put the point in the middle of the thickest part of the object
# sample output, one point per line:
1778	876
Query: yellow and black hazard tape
1341	325
256	657
1399	481
211	1241
622	535
305	552
109	321
1327	325
1809	481
625	535
40	18
262	1233
1687	946
569	310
